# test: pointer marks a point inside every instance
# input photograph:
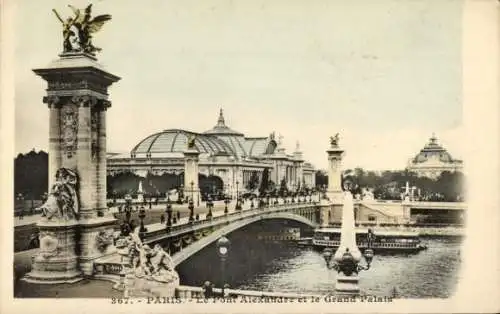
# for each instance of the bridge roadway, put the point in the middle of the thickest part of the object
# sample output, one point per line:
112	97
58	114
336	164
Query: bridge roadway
203	232
186	238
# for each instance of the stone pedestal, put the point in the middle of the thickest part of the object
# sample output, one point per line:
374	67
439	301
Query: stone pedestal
56	261
334	191
191	174
140	198
77	97
347	285
96	240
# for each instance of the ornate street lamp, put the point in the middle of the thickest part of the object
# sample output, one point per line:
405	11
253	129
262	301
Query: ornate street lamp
210	205
169	214
348	265
180	195
223	246
191	210
142	215
237	191
238	205
192	190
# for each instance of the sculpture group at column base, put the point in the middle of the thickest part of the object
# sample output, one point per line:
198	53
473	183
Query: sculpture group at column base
347	285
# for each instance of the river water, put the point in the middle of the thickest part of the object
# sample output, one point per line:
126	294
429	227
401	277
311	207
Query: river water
264	266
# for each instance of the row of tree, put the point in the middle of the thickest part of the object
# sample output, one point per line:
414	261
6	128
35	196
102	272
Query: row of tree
31	181
449	186
31	174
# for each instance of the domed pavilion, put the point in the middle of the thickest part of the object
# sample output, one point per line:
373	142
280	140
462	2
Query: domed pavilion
229	162
433	159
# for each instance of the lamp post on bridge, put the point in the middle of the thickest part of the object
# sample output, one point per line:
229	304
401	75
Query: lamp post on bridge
348	256
191	210
128	208
192	190
238	205
210	205
169	214
237	191
180	195
223	246
348	266
142	215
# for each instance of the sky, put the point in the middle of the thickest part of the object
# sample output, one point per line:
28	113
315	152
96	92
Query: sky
384	74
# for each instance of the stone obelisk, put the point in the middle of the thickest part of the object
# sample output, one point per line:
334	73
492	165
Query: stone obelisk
76	228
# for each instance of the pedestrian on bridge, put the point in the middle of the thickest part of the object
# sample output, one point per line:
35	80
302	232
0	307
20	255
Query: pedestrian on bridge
208	291
178	215
162	219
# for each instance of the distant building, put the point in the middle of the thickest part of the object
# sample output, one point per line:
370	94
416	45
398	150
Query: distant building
225	153
432	160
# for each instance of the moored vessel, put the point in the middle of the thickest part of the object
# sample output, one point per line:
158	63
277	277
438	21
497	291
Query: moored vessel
381	241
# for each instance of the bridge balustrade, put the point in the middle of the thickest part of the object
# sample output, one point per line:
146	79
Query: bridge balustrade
217	220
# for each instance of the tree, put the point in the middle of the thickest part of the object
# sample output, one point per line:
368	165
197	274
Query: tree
264	183
321	178
283	187
253	182
31	174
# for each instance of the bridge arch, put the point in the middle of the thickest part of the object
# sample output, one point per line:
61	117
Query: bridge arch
212	237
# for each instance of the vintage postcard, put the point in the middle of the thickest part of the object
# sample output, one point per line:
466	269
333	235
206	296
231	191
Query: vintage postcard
250	156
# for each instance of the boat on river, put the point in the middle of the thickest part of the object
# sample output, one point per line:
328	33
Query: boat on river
382	241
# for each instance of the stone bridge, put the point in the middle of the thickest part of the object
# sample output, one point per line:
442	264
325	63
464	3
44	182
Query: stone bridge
187	238
184	240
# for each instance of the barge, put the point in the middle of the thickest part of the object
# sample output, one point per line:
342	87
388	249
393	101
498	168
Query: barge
382	241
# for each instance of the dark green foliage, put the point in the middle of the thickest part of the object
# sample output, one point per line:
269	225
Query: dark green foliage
31	174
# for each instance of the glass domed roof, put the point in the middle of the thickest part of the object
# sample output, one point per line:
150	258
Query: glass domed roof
221	128
175	141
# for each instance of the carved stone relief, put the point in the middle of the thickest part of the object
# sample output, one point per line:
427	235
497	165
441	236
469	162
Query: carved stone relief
69	129
94	131
48	244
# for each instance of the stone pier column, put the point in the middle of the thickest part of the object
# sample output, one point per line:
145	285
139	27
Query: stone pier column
191	174
76	231
334	191
54	137
85	166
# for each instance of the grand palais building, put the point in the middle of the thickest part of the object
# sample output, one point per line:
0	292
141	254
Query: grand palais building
228	161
